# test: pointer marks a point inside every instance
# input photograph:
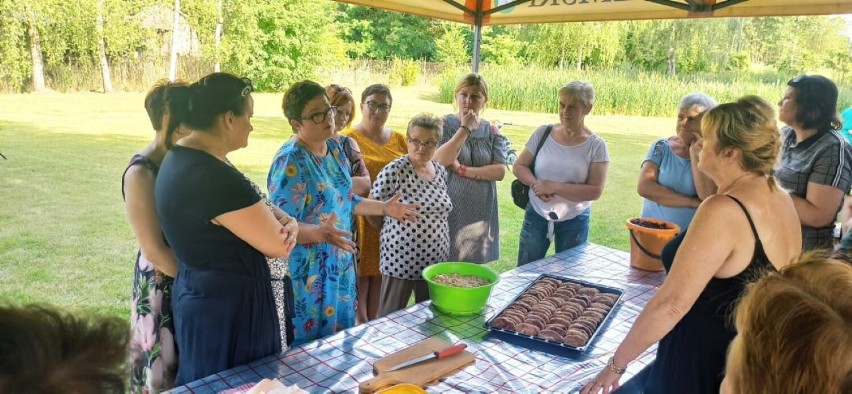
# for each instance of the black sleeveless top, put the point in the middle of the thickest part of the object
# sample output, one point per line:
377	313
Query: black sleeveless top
691	358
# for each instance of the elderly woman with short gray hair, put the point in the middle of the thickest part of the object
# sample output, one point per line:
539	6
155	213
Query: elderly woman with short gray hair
569	173
408	249
669	180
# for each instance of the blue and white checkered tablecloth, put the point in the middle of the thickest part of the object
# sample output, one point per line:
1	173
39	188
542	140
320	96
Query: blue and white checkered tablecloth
339	362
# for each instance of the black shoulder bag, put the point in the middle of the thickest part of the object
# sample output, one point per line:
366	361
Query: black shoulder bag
521	192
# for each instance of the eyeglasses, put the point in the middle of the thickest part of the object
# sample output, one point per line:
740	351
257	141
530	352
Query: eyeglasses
381	108
423	144
319	117
342	114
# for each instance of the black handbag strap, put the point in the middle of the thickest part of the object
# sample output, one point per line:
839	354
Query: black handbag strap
538	148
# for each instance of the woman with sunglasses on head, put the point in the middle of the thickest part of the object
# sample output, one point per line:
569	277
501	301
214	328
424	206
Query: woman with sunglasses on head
309	179
379	146
816	161
221	231
422	181
341	98
153	355
476	152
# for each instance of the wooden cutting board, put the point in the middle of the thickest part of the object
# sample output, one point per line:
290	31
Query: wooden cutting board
419	374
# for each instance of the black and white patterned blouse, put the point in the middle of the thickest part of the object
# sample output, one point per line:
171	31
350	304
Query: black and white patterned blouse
407	248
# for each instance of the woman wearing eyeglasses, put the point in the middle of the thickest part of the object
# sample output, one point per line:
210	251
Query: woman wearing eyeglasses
379	146
476	152
816	161
309	179
406	250
221	231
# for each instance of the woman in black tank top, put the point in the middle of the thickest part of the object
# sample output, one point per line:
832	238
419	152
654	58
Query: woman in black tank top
710	265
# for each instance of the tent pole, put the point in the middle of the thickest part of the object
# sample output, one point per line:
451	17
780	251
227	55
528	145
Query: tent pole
477	35
477	39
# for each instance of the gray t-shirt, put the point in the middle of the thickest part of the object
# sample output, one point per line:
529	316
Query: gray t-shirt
565	164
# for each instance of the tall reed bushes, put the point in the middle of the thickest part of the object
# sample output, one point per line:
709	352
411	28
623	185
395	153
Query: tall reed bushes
620	92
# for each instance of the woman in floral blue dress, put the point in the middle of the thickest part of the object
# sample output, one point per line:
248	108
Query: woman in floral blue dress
152	346
309	179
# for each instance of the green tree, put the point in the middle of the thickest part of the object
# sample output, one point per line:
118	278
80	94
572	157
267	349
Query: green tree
500	45
278	42
383	35
450	46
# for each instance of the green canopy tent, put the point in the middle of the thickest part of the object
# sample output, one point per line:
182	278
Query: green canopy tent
479	13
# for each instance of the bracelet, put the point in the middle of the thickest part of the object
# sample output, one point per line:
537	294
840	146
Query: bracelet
469	131
462	170
614	368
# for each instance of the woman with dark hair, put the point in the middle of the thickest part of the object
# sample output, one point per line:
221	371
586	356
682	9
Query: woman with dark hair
46	350
221	231
816	161
475	151
379	146
309	179
153	356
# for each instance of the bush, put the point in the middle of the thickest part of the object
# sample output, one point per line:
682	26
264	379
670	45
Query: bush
404	71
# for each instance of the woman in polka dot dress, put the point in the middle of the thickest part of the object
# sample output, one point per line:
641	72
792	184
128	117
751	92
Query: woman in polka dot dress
407	248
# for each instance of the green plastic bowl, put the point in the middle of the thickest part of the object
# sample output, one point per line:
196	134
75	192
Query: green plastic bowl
460	300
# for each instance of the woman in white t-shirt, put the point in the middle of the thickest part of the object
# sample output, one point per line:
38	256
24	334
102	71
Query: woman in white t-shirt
570	172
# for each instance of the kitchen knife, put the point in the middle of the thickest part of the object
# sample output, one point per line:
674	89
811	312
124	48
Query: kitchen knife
435	355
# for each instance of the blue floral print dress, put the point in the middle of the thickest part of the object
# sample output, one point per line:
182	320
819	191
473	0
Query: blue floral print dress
312	189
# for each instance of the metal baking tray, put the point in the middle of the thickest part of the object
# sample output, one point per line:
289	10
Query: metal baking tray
558	348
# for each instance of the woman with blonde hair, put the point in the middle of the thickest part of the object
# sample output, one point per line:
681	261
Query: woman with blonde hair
793	332
571	164
475	151
748	227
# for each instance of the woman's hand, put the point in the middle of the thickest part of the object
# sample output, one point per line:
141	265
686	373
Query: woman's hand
470	119
695	147
401	211
543	188
291	231
339	238
606	381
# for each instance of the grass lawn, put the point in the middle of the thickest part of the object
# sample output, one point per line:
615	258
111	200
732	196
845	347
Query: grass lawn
64	238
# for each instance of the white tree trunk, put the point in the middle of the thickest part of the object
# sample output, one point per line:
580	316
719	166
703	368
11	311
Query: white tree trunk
217	37
175	33
35	53
105	74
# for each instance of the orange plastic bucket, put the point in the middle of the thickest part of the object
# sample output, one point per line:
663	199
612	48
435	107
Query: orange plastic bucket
647	243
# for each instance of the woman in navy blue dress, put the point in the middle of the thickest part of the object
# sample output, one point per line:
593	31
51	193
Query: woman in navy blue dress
221	231
749	226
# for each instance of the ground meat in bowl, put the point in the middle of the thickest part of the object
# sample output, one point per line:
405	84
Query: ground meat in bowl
457	280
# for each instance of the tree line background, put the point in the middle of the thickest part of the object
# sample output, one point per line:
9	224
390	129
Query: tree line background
106	45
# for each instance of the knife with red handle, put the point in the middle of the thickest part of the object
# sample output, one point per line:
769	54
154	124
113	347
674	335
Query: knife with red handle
435	355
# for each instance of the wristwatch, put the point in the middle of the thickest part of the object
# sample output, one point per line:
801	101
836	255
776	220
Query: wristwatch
614	368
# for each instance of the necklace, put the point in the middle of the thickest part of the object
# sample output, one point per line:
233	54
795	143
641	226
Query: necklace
731	185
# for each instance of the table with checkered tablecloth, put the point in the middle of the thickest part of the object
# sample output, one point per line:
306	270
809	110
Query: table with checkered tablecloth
339	362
